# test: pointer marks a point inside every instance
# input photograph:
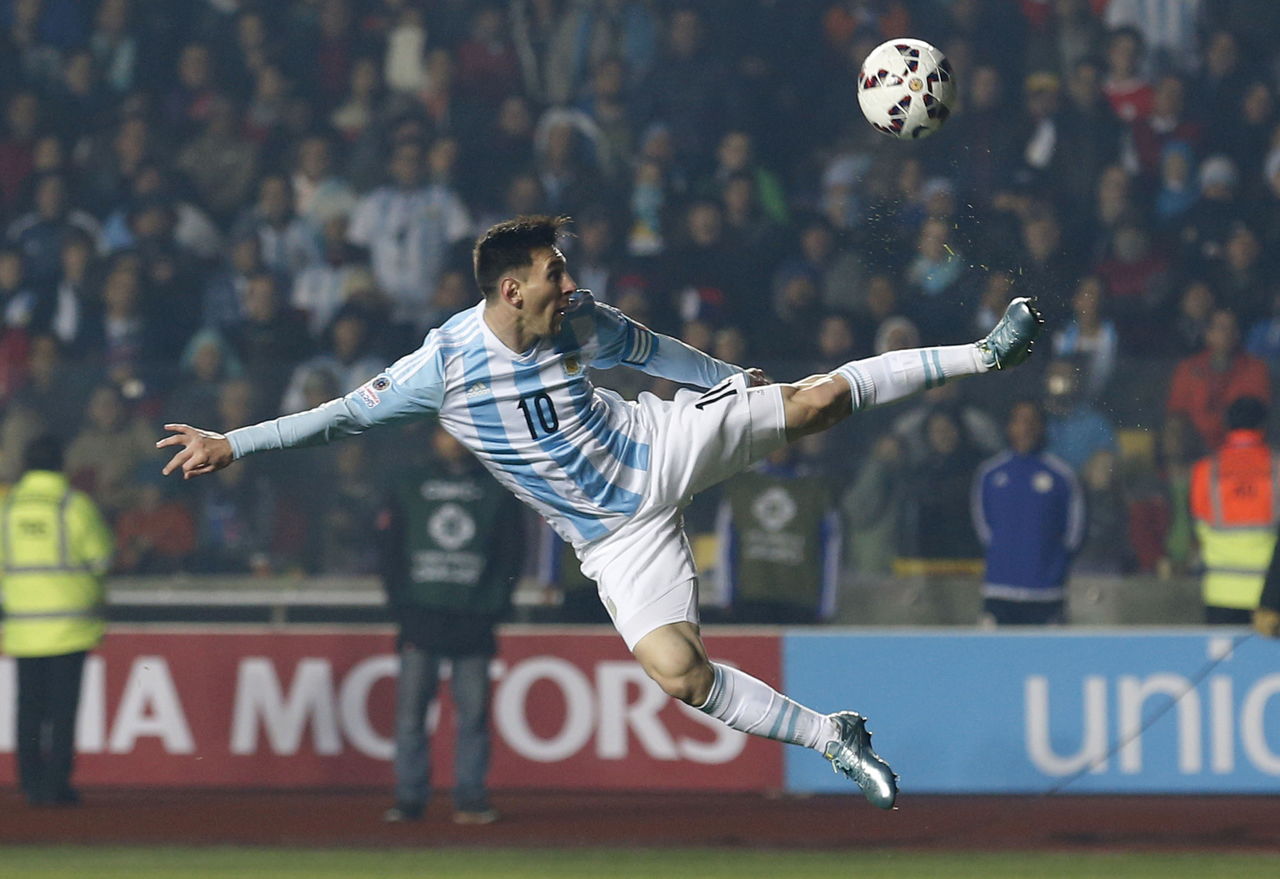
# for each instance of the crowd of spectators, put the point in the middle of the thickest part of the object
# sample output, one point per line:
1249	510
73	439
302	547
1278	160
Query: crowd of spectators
219	211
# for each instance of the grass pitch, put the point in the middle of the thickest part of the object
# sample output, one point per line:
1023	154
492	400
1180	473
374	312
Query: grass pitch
77	862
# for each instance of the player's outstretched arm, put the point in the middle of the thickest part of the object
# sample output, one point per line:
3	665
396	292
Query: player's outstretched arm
200	452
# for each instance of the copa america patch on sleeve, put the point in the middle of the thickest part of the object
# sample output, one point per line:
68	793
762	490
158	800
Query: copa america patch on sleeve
369	391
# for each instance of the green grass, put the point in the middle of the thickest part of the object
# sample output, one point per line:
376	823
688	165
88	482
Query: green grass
77	862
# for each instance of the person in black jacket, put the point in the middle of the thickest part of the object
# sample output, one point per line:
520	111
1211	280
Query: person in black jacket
451	547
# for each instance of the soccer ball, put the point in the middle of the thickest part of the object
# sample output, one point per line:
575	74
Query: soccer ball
906	88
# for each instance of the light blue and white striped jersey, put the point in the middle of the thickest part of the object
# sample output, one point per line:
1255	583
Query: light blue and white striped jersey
575	453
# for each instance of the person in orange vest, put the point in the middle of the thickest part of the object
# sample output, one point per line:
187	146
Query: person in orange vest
1235	501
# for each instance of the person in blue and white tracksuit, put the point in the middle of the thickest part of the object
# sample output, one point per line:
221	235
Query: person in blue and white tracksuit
1029	512
509	379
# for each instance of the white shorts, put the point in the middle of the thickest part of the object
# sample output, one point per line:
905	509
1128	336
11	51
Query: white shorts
644	570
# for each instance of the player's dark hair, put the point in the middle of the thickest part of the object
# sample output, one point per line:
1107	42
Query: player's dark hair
510	245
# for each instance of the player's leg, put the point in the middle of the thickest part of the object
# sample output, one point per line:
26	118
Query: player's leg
416	686
818	402
674	657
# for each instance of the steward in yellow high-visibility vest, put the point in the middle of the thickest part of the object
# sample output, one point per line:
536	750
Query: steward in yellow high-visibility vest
55	549
1235	501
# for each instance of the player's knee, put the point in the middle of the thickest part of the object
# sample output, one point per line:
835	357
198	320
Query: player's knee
690	684
817	407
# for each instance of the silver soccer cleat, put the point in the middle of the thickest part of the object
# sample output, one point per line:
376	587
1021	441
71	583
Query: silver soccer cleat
851	755
1009	342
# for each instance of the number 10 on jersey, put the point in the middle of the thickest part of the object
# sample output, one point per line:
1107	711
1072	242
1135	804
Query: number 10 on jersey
539	412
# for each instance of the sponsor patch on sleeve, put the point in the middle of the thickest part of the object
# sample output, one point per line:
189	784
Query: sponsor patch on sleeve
369	390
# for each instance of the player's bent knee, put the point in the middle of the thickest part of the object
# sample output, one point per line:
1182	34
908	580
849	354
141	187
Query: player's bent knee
816	407
690	684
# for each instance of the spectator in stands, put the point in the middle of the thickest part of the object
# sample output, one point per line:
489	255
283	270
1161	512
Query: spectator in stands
341	276
41	232
936	535
235	524
1075	428
935	275
105	454
1209	221
1089	338
1105	549
736	155
320	193
1196	305
488	67
269	341
1248	138
287	242
1125	86
1234	505
1205	384
155	534
363	105
1029	512
1168	123
207	361
1136	278
346	358
1241	275
17	145
55	389
872	508
978	426
567	157
114	46
408	227
220	164
189	227
1089	136
1178	190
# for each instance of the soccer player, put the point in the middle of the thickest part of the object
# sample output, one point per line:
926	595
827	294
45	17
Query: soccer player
508	378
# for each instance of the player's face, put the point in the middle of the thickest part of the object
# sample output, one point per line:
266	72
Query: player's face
546	291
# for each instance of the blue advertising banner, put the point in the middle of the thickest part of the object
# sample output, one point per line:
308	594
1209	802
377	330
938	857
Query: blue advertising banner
1044	711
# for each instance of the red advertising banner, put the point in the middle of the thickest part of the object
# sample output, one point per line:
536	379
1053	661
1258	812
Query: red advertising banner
312	707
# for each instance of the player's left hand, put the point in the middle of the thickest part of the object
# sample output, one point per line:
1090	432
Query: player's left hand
203	451
757	378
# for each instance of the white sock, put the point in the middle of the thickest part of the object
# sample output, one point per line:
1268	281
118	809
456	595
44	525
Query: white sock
897	374
751	706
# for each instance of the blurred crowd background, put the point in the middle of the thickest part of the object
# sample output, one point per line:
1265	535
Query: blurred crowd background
219	211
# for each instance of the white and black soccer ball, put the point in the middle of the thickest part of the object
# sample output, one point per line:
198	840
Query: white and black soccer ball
906	89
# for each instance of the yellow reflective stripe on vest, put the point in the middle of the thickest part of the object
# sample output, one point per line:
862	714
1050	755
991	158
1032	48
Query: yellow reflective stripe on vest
1236	561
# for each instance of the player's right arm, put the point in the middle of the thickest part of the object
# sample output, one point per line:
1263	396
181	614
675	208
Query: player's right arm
624	341
411	388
